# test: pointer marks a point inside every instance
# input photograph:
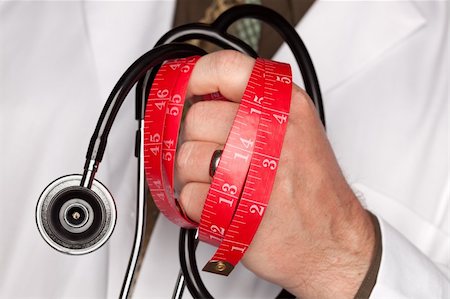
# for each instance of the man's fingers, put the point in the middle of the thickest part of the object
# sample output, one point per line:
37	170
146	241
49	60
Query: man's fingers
192	198
225	71
192	162
209	121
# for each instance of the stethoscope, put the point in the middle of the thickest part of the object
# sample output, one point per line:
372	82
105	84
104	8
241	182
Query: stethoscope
76	213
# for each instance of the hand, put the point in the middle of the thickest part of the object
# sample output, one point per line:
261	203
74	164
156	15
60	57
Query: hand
315	239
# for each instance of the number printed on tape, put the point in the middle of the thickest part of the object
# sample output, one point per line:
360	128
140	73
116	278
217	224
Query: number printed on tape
240	189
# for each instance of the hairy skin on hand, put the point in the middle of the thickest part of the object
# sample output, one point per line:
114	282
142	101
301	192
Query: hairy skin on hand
315	240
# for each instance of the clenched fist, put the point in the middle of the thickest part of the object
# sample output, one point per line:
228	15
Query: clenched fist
315	239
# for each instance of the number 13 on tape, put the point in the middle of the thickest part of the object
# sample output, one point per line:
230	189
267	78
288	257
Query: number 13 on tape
272	109
240	190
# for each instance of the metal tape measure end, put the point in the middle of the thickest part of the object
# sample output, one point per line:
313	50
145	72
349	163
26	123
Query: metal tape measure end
219	267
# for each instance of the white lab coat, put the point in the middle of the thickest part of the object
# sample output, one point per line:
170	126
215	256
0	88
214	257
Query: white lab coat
384	72
383	69
58	63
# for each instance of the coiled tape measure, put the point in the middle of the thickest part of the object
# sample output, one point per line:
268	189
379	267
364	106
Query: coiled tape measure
241	186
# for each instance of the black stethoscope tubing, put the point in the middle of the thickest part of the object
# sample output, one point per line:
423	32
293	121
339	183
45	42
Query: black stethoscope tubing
217	33
288	34
129	78
141	71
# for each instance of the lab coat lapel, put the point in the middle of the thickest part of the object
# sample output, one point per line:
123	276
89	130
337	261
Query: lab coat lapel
343	38
120	32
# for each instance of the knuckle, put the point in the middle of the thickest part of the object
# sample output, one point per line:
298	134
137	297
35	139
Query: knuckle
302	106
228	61
183	156
194	116
228	58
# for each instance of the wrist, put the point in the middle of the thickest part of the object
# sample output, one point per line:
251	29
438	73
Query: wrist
339	265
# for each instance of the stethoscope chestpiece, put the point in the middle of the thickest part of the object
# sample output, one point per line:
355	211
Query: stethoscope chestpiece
74	219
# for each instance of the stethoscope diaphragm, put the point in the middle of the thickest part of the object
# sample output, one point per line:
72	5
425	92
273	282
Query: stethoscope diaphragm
74	219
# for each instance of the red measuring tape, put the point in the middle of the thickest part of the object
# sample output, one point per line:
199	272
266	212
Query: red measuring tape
242	183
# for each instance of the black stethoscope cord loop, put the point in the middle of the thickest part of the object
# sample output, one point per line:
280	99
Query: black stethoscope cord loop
123	86
188	264
208	33
143	71
289	35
